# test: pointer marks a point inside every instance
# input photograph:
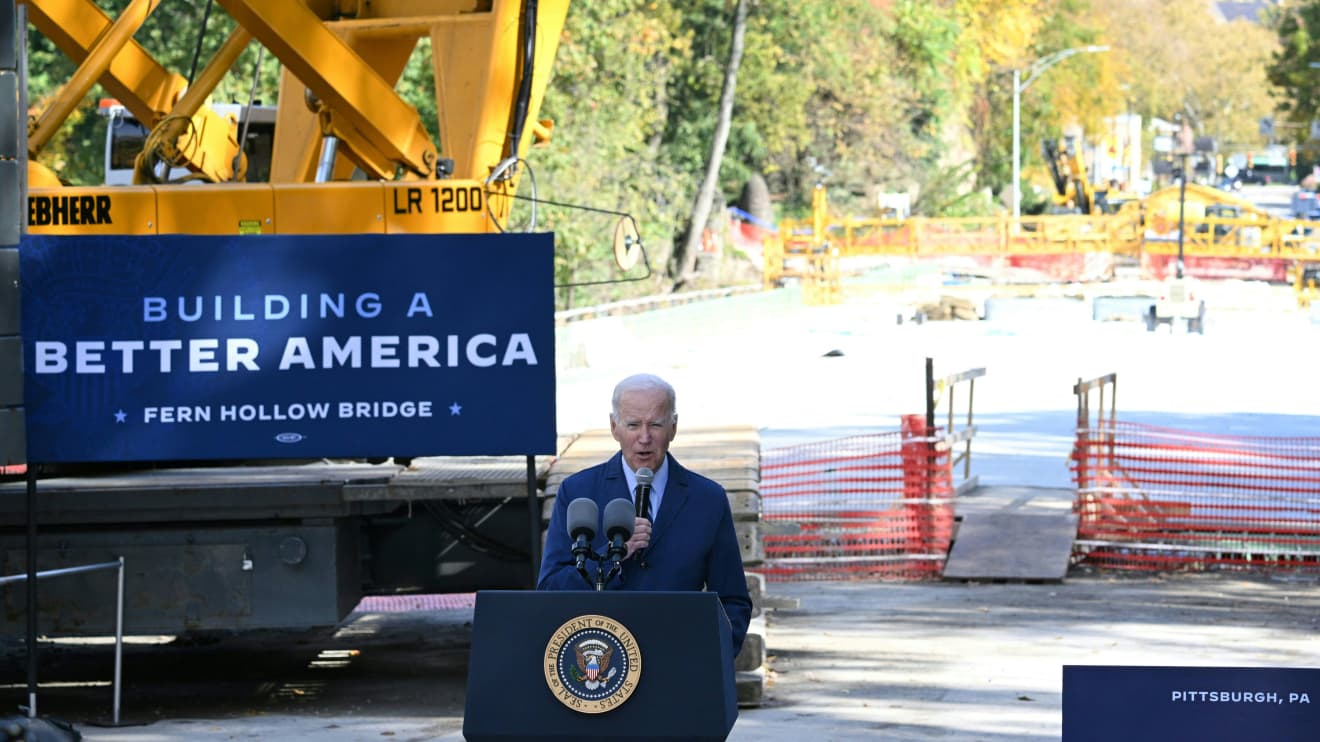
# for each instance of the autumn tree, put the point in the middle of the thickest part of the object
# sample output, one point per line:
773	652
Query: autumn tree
611	105
1178	58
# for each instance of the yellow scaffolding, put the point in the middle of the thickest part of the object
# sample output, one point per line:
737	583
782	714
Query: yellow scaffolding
1228	228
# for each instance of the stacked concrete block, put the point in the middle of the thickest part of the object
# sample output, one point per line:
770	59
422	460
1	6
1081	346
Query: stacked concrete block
750	667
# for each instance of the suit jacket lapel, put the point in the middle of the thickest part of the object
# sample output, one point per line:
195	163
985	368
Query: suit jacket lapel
676	496
615	481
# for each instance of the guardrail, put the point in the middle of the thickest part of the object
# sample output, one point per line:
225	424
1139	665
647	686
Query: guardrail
649	303
119	622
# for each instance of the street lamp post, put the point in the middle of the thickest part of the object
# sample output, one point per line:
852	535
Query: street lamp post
1036	69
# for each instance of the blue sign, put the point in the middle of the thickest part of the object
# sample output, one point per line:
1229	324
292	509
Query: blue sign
1210	703
246	347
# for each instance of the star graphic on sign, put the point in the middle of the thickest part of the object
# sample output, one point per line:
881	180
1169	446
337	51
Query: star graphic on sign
120	416
455	409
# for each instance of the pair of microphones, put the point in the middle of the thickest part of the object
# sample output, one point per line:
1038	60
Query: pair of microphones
617	524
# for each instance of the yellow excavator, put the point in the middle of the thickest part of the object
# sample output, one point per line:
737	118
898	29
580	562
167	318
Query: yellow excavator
1073	191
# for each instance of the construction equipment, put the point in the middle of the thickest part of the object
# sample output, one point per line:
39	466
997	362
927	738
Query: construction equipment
126	139
1306	283
1073	191
337	114
291	543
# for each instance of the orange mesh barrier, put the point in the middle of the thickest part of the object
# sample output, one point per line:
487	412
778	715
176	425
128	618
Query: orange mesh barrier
866	506
1152	498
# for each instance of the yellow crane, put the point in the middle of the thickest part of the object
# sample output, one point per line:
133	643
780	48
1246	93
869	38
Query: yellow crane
289	541
350	155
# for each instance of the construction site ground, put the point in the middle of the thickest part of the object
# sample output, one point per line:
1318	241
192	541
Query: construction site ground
861	659
855	660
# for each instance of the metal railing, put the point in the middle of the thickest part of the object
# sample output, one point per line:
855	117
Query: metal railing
936	389
119	620
1095	430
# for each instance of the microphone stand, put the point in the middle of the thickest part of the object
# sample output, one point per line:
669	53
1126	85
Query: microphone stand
616	566
582	570
615	553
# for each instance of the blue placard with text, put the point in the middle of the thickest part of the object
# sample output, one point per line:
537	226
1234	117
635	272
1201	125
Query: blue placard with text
1202	703
182	347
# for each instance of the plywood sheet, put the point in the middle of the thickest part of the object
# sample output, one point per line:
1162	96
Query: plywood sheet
1012	546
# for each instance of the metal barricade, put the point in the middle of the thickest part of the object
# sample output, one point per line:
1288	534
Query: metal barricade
875	506
935	391
119	618
1155	498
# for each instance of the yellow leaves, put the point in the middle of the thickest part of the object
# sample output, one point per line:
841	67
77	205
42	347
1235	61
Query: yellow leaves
1179	58
1003	30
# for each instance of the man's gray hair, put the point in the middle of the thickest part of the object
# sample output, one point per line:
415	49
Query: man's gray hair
644	383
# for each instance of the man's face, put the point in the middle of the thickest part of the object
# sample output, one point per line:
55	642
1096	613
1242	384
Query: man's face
644	429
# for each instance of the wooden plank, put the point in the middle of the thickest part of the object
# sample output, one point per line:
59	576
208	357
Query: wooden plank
1012	545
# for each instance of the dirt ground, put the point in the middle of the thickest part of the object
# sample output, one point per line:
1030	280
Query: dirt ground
894	661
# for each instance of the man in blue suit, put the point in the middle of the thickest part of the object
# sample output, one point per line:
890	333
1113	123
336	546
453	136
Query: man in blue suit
689	542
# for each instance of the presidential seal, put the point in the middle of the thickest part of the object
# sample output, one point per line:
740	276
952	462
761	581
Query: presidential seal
592	664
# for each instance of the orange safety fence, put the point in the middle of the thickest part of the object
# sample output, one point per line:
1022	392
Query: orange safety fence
1154	498
866	506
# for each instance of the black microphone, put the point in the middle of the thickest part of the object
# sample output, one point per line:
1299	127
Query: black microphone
583	514
644	478
619	518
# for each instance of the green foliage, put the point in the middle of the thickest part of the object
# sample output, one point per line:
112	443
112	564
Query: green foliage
924	38
609	102
944	194
1290	69
76	152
